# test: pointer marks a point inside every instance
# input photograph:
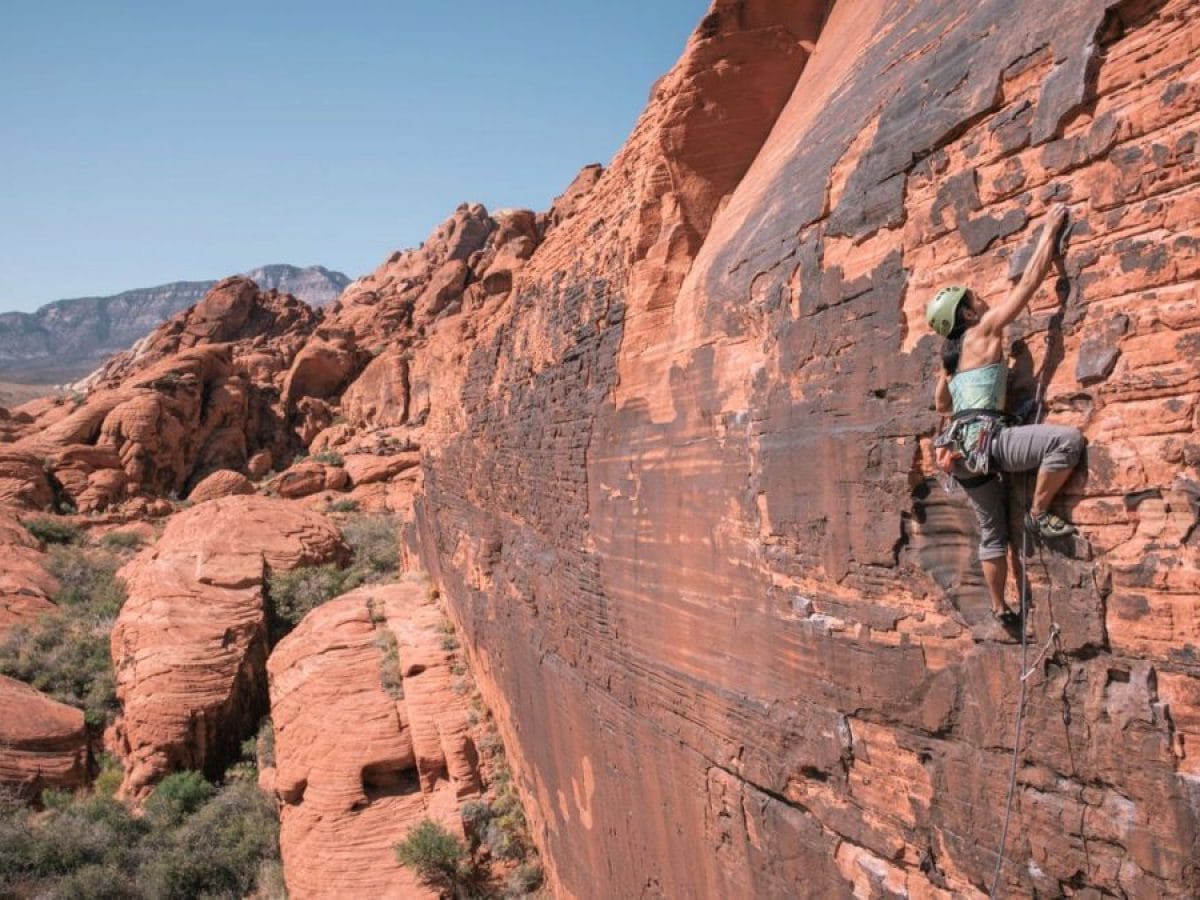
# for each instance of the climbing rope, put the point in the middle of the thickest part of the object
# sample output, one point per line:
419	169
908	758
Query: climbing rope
1012	772
1027	670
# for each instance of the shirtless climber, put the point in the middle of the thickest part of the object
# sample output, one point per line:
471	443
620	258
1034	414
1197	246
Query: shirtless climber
978	445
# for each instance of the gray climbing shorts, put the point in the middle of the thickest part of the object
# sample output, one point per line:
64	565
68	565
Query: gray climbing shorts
1018	449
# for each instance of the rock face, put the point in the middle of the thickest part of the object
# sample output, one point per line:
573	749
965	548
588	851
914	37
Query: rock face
679	480
43	743
190	644
369	740
67	339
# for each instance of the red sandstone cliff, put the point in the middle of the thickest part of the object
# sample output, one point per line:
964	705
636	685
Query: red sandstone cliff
665	451
683	505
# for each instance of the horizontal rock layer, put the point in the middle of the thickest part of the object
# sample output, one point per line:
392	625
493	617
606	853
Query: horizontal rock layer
369	740
190	644
43	743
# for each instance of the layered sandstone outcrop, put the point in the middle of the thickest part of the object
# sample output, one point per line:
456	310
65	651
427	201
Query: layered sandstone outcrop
370	739
43	743
190	644
221	483
680	480
202	393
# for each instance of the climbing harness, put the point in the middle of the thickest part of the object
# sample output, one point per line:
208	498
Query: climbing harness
970	435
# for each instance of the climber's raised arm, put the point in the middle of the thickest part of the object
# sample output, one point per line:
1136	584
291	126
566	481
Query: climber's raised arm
993	321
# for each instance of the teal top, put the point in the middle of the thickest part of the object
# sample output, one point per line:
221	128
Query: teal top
984	387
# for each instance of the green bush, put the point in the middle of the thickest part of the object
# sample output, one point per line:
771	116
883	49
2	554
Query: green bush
91	831
437	856
109	779
217	851
328	458
213	843
296	593
69	659
96	880
178	796
374	542
260	749
50	530
266	742
345	505
121	540
87	580
66	654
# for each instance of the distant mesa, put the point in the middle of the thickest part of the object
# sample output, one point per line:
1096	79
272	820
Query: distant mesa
68	339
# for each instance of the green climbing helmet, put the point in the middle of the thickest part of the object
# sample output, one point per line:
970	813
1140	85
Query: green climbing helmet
940	312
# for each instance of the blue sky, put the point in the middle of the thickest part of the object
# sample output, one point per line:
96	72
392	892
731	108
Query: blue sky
142	143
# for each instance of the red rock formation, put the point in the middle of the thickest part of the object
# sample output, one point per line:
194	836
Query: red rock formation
25	586
369	740
379	396
199	394
235	310
23	480
43	743
679	480
308	477
222	483
190	644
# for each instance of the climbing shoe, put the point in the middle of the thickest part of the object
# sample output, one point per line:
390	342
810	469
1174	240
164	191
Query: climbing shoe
1006	618
1048	525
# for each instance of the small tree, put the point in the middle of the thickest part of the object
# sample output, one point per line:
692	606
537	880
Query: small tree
441	860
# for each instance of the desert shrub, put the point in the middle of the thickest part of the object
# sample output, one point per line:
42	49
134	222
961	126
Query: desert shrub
477	815
178	796
91	831
67	654
67	658
87	581
259	749
194	841
121	540
296	593
50	530
375	544
269	883
490	745
390	676
344	505
216	851
95	880
328	458
441	861
108	780
265	744
525	879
